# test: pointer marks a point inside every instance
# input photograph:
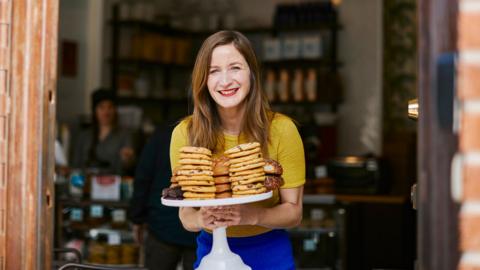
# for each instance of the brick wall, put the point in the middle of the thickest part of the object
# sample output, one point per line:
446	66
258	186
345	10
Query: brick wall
468	157
5	23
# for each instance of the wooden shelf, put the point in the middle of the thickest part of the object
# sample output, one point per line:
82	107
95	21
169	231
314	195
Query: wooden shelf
83	203
313	230
303	103
140	63
301	63
350	198
163	28
153	102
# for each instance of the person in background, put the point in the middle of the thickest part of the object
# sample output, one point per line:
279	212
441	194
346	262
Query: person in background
104	146
167	243
231	108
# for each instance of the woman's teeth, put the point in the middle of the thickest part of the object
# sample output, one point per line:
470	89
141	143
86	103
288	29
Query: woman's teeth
228	92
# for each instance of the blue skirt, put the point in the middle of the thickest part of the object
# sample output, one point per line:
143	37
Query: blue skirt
269	251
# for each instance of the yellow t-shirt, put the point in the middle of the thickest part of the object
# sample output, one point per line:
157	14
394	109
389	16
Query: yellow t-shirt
285	146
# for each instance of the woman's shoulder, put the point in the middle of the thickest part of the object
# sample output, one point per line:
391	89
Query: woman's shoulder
281	121
182	125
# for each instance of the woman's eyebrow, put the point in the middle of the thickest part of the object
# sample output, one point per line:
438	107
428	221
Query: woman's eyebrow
235	63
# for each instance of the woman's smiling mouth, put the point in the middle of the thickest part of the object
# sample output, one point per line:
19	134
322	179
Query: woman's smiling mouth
228	92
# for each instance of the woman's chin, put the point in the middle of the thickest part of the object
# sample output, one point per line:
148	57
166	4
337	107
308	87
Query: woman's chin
228	105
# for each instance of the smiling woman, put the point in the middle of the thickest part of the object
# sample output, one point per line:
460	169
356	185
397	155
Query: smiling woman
231	108
229	78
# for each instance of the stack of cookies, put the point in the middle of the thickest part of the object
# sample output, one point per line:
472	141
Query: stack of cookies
246	171
221	178
273	174
195	175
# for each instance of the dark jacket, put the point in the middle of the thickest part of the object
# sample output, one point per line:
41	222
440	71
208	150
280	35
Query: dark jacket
152	175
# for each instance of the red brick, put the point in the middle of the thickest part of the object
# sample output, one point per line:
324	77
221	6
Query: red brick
3	175
4	38
468	37
471	182
468	81
5	9
470	132
469	232
468	267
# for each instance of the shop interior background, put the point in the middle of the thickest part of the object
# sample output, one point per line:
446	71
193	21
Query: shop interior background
373	78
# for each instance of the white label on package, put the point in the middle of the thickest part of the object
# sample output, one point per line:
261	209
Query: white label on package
96	211
114	238
106	187
309	245
119	215
76	214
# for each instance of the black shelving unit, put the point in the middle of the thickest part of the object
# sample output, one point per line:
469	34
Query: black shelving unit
327	66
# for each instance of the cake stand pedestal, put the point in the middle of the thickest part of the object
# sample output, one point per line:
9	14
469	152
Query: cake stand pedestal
220	257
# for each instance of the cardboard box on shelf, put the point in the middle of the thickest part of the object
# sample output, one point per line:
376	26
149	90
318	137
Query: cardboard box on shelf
106	187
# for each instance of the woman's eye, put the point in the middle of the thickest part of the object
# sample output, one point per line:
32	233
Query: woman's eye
212	71
236	68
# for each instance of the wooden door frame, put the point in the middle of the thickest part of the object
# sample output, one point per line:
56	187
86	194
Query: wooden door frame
437	213
31	91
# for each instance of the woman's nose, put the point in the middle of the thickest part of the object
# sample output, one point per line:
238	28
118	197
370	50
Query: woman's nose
225	78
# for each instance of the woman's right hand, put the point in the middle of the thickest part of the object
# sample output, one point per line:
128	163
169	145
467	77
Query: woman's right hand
195	220
206	218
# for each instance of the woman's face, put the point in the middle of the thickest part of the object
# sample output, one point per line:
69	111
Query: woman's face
228	77
105	112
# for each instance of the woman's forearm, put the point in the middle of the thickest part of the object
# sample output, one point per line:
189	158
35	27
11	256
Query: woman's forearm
285	215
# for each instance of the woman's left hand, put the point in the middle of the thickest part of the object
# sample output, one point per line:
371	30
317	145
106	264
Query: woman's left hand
232	215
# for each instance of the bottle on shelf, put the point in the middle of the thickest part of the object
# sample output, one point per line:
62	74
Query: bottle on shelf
311	85
270	85
297	85
283	86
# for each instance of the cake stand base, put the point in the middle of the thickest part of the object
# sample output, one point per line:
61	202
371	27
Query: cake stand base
220	257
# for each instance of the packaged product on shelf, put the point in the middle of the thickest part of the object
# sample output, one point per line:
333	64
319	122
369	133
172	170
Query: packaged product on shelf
158	88
76	215
283	86
119	218
96	252
126	188
137	45
76	243
129	254
77	183
149	47
297	85
291	48
142	86
311	85
113	253
270	85
272	49
106	187
317	215
182	51
96	215
312	47
125	84
167	50
125	45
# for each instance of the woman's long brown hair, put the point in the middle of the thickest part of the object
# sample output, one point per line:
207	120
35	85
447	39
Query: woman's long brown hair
204	125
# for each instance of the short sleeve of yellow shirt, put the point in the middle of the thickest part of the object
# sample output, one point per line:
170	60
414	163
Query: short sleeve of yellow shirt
285	146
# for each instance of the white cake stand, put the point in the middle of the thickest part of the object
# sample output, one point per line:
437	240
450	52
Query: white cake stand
220	257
